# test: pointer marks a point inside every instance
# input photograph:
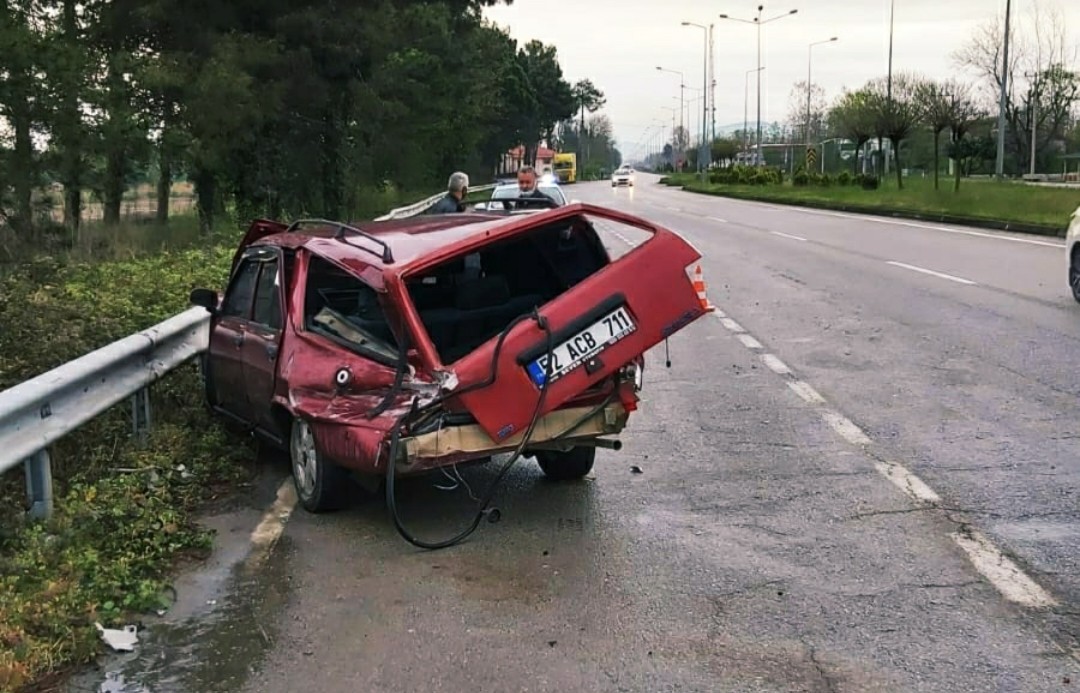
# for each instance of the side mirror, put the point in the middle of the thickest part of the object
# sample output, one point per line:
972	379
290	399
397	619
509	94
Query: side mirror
207	298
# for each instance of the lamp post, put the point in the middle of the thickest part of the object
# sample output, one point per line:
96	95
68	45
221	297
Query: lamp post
758	22
682	95
703	149
746	107
673	112
999	164
809	59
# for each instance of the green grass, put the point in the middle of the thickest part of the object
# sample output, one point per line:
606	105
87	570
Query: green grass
125	513
978	200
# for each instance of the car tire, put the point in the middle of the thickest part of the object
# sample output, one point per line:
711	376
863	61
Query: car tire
320	484
1074	274
567	466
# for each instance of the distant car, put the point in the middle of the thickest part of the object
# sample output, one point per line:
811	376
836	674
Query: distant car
396	347
1072	253
624	175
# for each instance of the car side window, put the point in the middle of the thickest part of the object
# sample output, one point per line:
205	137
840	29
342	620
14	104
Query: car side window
342	307
267	296
239	295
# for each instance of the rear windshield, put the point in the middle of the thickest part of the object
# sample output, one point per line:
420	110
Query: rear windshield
468	300
343	308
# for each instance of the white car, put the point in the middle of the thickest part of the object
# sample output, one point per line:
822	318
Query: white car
1072	253
624	175
510	191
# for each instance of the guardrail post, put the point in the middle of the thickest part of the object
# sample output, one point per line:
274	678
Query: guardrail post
140	413
39	487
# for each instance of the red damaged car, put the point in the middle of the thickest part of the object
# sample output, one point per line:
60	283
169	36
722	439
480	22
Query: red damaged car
401	346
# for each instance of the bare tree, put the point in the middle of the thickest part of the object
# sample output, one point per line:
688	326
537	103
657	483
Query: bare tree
797	113
1041	90
852	117
943	105
964	112
895	114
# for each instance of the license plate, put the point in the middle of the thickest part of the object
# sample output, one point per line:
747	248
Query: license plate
583	346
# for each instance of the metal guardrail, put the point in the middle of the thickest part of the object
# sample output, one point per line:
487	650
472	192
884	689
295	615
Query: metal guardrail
38	412
421	206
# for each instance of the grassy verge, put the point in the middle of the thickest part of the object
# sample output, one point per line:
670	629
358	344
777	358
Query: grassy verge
124	513
1004	205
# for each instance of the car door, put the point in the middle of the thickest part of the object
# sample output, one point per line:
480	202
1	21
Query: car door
226	374
262	343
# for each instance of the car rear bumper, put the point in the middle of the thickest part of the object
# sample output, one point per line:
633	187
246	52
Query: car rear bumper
559	429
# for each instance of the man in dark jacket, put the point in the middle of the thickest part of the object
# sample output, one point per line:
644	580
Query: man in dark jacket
454	201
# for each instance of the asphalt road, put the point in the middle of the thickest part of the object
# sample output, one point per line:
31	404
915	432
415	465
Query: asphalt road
828	472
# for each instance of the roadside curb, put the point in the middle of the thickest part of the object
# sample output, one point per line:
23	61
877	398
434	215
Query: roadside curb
996	225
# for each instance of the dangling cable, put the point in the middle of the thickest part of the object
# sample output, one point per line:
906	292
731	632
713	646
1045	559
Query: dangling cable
484	510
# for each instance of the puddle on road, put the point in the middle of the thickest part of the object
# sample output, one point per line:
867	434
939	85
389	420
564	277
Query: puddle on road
217	632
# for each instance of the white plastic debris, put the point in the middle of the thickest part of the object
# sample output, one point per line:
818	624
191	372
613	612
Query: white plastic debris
120	640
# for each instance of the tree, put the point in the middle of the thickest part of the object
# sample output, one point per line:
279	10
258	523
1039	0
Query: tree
20	98
964	112
1041	90
852	117
588	98
797	109
553	96
725	150
895	114
938	101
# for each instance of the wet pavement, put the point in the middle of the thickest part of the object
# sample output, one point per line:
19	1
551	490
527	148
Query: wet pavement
759	549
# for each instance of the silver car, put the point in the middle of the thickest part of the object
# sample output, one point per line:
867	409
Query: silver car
510	191
1072	253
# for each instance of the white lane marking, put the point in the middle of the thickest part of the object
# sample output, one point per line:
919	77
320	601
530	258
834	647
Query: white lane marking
908	482
787	235
269	529
719	313
731	325
718	219
941	275
1002	573
845	428
803	389
897	222
749	342
775	365
988	560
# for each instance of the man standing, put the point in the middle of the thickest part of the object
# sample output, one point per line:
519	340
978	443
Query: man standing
527	184
454	201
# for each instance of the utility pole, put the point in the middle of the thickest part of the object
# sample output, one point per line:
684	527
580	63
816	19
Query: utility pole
888	88
1034	120
999	165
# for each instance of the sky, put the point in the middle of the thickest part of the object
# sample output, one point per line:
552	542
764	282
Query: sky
618	44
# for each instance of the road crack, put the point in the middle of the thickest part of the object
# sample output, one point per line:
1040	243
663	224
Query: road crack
830	683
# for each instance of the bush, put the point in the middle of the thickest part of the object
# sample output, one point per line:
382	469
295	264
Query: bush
824	180
108	550
868	181
844	178
801	179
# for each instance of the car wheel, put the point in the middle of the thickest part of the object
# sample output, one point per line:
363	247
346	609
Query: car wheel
1074	274
566	466
320	484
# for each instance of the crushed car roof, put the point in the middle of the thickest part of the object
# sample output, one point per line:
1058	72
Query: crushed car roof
409	239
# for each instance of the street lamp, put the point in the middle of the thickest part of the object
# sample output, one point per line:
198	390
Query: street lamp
746	105
682	94
809	58
999	164
702	151
758	21
673	112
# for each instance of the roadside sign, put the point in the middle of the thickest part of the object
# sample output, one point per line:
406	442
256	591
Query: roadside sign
811	156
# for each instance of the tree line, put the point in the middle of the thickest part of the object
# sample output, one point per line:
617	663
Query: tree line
269	107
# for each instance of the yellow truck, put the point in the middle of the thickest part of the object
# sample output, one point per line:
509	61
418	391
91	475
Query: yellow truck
565	165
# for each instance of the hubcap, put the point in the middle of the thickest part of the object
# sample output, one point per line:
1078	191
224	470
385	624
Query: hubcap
304	459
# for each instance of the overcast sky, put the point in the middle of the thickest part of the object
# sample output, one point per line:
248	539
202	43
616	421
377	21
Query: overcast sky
619	43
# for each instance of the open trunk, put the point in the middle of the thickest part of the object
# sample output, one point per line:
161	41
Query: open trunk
603	314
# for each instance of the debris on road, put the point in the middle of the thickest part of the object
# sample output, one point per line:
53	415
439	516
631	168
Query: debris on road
120	640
